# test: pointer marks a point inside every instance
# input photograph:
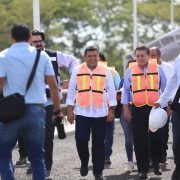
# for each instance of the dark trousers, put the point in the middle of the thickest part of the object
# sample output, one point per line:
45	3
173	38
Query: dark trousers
22	147
145	141
49	136
165	137
85	125
176	137
109	138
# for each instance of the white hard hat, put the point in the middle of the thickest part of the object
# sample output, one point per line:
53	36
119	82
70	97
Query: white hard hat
157	119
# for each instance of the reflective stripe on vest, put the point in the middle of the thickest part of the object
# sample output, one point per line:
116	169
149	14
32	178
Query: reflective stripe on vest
90	87
145	88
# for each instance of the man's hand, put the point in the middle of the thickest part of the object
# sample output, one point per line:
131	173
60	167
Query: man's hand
168	111
111	114
1	83
70	114
156	104
127	113
57	114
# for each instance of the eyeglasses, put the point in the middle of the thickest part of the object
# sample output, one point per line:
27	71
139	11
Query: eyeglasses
37	42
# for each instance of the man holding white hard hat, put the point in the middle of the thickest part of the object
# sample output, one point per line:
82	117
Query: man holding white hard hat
157	119
142	82
172	84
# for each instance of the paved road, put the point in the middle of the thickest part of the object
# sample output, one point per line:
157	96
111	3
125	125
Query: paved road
66	163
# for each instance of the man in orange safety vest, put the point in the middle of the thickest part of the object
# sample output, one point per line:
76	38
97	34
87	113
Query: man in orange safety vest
87	99
142	83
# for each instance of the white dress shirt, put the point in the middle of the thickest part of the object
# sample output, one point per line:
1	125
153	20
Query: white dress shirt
167	68
172	84
92	111
67	61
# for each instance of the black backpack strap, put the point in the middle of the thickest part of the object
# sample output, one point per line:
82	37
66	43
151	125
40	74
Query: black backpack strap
30	79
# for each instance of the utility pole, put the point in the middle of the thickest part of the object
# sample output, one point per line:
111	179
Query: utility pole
36	15
134	24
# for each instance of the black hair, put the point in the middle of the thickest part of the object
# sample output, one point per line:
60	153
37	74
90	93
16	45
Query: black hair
102	57
90	48
20	32
143	48
37	33
157	50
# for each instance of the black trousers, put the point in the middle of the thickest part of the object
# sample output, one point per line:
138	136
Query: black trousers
22	147
84	127
176	137
165	139
49	136
145	142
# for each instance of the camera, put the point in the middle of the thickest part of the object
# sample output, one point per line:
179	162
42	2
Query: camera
60	128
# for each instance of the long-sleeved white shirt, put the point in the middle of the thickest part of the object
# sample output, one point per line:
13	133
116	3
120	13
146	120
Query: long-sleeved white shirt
167	68
92	111
65	60
172	84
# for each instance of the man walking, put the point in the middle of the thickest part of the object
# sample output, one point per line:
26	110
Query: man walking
58	59
16	64
110	125
143	80
87	99
155	53
172	85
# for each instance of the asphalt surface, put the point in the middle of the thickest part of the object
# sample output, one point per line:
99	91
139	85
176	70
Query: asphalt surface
66	162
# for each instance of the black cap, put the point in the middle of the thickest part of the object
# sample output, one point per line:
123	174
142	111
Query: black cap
36	33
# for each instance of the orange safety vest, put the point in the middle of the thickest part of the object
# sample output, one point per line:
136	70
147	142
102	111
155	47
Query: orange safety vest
145	88
112	70
90	86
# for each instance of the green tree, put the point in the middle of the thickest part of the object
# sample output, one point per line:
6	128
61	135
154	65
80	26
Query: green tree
11	12
72	25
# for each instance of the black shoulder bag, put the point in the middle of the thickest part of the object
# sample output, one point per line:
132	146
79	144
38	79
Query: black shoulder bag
12	107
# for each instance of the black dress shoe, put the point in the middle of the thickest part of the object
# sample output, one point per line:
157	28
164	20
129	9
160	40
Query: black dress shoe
157	170
176	174
84	170
164	161
107	160
98	176
142	175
